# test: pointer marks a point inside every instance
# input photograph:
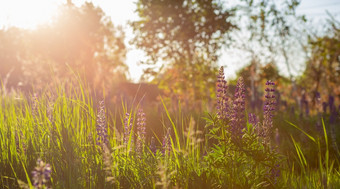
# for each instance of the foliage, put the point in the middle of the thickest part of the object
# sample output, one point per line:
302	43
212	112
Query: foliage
322	71
185	37
82	146
78	38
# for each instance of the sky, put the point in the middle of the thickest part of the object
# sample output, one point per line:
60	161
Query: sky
36	12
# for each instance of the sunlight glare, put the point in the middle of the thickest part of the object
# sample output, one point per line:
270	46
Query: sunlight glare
27	14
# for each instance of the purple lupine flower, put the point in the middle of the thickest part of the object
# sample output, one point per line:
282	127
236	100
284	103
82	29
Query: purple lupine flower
332	117
101	125
41	174
141	123
268	108
331	103
302	103
252	119
167	143
221	94
128	128
238	117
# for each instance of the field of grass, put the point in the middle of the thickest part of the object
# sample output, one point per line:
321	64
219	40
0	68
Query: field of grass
66	139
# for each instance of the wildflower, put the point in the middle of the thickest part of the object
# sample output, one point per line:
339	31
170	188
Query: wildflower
221	93
304	104
128	129
237	117
101	125
332	118
41	174
141	123
252	119
268	108
331	103
167	143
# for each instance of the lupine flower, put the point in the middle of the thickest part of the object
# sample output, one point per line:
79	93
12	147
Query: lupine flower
333	116
128	129
252	119
268	108
304	104
141	123
221	93
101	125
317	101
41	174
331	103
167	143
237	117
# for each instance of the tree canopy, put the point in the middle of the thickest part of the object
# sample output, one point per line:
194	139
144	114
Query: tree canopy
184	35
82	39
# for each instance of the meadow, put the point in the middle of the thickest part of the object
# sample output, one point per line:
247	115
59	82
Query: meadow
65	139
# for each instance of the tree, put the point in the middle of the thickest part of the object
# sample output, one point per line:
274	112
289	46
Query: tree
185	36
82	39
322	72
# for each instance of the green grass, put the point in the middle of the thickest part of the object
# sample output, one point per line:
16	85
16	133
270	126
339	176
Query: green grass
60	128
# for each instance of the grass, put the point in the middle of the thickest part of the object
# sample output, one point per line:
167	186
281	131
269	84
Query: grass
60	127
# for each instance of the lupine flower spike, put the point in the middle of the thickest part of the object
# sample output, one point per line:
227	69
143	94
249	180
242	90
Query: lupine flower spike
128	129
268	108
141	123
222	99
41	174
253	120
167	143
101	125
238	117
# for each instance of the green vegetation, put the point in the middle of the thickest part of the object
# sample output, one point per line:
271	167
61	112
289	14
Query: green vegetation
89	147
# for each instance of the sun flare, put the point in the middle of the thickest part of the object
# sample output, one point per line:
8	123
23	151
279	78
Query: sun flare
27	14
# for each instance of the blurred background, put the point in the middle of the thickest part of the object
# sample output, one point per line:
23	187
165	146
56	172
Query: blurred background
174	48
